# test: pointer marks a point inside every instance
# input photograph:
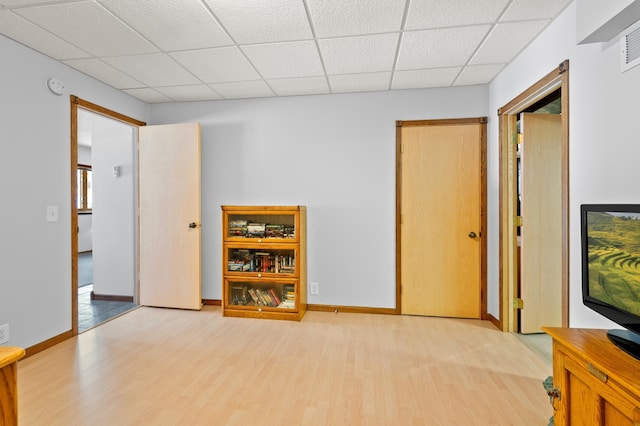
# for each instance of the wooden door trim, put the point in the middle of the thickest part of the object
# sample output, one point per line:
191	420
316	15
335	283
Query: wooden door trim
483	202
75	103
554	80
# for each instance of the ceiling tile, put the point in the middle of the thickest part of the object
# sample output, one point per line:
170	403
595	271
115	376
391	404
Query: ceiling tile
444	47
91	27
262	21
478	74
447	13
171	25
336	18
285	60
360	82
104	72
437	77
23	31
200	92
244	89
299	86
507	40
527	10
370	53
156	69
147	95
205	64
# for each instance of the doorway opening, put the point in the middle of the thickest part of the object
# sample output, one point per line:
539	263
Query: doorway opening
93	304
533	249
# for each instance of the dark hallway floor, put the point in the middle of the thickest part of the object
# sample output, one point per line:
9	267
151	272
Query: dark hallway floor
94	312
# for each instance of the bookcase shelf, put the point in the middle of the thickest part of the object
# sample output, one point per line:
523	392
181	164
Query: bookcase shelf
264	262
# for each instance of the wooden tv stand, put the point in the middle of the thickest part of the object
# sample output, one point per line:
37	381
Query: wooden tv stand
9	357
595	382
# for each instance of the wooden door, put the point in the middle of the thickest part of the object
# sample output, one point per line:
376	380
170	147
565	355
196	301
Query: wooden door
441	199
541	231
169	185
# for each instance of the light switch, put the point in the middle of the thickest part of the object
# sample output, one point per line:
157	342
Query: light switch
52	213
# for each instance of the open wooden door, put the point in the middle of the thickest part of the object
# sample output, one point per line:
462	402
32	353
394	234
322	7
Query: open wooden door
441	217
169	194
541	230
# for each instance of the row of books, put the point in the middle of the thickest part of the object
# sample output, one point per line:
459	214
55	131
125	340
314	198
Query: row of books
247	261
244	228
253	296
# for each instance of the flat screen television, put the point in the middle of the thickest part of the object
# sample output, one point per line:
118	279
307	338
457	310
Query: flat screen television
611	268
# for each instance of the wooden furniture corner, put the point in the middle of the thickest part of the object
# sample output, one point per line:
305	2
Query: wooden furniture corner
595	382
9	357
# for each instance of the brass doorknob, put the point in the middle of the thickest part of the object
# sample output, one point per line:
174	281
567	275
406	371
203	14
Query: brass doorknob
472	234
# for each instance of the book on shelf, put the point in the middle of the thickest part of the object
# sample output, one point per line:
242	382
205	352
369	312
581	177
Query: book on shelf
275	297
274	231
256	230
237	228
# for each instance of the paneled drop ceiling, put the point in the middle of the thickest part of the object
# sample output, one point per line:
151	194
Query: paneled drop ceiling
192	50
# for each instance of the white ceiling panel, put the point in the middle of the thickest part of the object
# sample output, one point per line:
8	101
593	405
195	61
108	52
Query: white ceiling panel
506	40
148	95
171	25
23	31
90	27
244	89
189	50
299	86
337	18
156	69
437	77
262	21
372	53
205	64
526	10
444	47
104	72
449	13
478	74
200	92
285	60
369	82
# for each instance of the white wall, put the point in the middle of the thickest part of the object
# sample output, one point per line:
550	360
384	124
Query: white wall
604	147
333	153
35	256
114	208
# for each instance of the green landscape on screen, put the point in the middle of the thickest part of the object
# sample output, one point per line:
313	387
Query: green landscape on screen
614	259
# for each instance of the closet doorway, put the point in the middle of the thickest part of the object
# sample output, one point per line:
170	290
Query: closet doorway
534	206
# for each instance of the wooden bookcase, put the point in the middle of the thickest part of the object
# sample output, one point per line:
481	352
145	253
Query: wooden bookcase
264	267
595	382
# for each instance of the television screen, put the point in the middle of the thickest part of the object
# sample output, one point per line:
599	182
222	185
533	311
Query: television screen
611	263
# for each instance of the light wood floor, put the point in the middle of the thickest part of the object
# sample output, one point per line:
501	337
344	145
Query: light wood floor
170	367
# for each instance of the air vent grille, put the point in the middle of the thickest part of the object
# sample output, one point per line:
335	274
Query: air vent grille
630	47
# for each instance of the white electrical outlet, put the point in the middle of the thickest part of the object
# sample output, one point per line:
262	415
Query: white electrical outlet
4	333
314	288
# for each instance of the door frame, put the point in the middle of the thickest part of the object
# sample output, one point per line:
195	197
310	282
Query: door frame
508	262
483	203
76	103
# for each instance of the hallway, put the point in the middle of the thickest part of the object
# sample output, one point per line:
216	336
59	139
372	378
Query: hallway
94	312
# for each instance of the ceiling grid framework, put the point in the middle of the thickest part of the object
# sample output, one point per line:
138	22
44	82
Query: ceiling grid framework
194	50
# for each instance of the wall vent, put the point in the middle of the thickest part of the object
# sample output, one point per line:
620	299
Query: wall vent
630	43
